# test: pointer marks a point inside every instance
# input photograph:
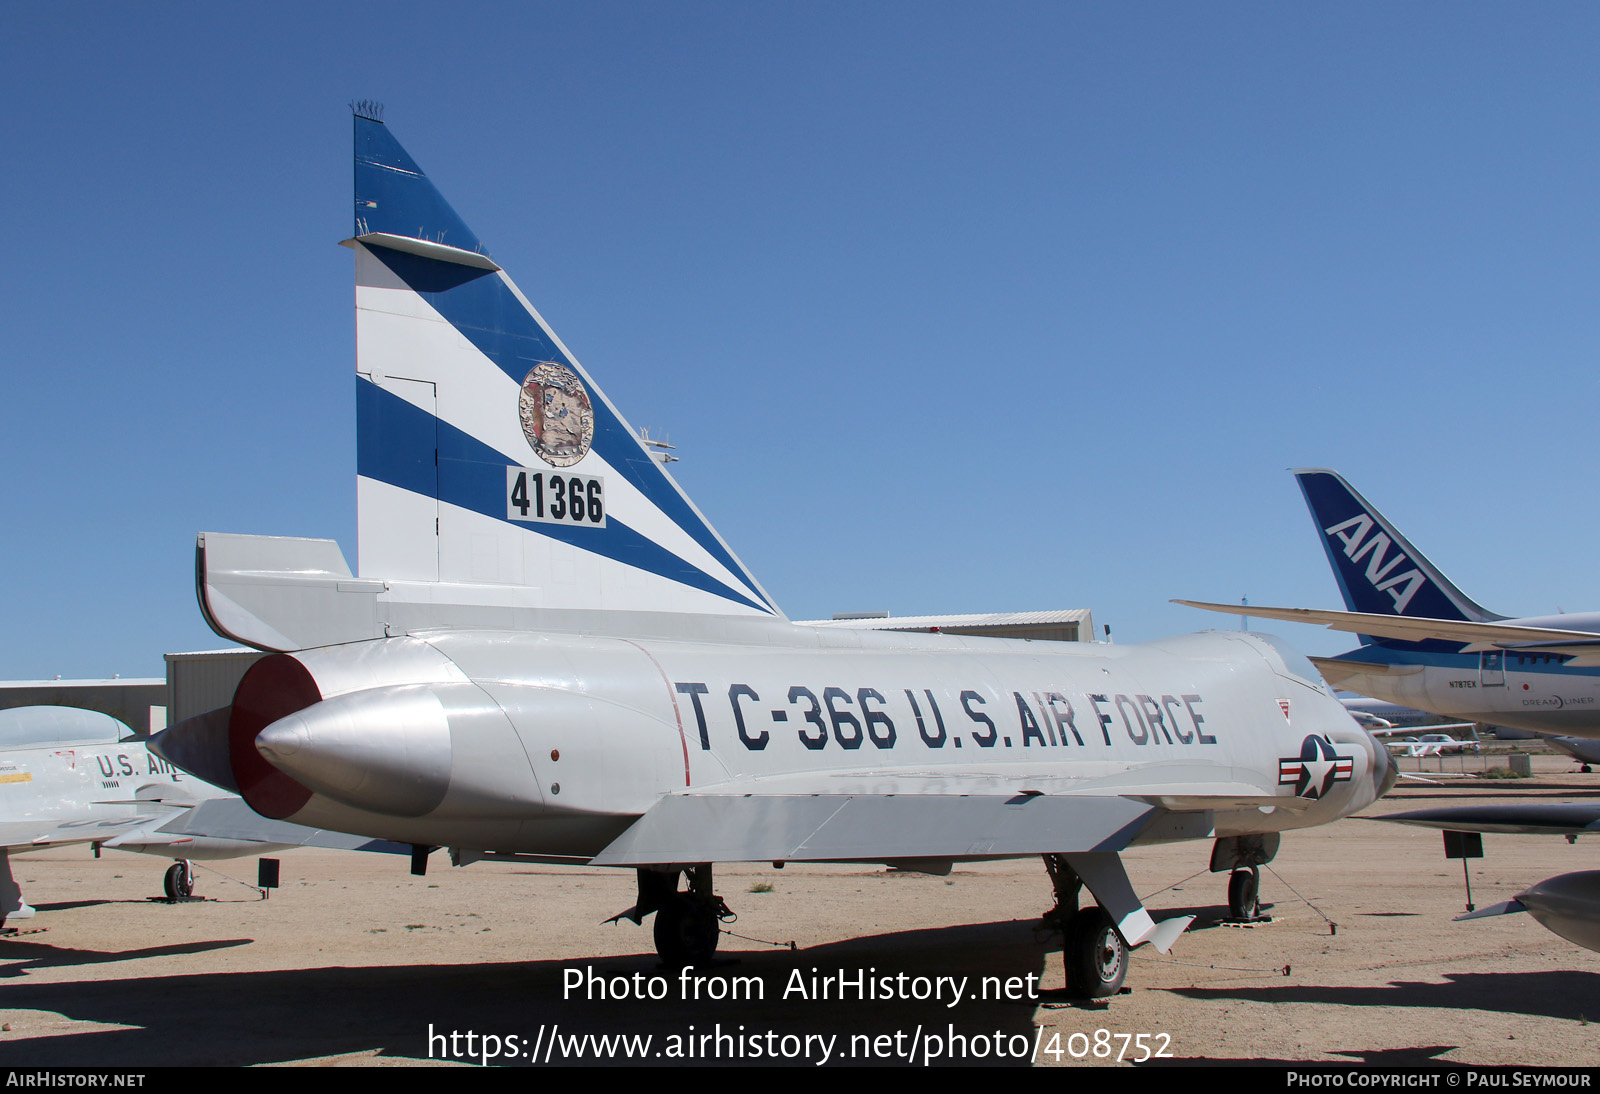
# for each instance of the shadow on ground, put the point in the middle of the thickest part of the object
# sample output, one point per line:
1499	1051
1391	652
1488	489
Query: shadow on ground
1555	994
261	1017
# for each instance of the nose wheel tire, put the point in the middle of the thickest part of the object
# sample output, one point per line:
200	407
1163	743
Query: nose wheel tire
179	882
1244	894
1095	955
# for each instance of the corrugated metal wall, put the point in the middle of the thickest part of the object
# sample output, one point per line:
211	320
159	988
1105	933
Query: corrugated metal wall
199	682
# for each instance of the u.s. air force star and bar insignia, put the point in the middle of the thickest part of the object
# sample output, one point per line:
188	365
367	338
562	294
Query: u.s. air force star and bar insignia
1315	770
557	417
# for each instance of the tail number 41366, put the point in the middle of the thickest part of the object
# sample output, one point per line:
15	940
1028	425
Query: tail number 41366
549	498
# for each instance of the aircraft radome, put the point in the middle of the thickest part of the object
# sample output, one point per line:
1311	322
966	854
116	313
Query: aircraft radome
1426	644
547	654
70	776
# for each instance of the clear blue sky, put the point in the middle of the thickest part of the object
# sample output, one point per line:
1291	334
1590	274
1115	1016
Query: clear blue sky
948	307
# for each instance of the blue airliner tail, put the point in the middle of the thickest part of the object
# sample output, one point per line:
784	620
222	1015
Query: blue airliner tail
1377	568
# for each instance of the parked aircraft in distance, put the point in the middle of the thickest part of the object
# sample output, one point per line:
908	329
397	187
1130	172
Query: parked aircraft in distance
1386	720
1376	713
1424	744
1382	714
79	776
1427	644
1568	905
1583	749
550	656
70	776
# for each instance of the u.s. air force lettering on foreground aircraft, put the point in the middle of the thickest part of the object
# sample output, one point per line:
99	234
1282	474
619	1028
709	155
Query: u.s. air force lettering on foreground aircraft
1426	643
549	655
70	776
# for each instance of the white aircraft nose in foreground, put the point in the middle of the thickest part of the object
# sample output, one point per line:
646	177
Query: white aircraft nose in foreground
78	776
549	655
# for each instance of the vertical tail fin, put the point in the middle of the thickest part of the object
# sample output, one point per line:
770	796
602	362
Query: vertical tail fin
485	453
1377	568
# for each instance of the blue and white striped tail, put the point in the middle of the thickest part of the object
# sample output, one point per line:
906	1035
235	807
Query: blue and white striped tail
1378	570
486	454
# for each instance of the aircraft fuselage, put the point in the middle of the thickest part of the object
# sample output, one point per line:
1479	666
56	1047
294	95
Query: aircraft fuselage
1530	690
552	744
82	792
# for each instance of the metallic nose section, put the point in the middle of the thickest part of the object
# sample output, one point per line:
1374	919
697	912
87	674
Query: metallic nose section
386	750
1389	766
199	746
282	739
1566	906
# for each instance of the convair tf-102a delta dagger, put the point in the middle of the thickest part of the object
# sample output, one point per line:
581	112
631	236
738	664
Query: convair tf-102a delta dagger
548	655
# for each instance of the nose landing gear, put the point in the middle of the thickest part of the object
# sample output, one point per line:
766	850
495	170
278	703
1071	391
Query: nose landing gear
1244	894
179	882
1243	857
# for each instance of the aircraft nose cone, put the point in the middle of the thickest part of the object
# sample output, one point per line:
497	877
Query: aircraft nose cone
200	747
386	750
1566	905
1388	765
282	739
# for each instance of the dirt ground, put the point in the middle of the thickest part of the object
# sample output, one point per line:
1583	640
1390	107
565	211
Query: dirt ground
355	962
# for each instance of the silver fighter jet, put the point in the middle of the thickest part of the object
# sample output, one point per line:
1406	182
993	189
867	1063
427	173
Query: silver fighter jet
70	776
547	654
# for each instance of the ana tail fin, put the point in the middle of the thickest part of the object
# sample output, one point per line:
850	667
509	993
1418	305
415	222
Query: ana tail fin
486	454
1377	568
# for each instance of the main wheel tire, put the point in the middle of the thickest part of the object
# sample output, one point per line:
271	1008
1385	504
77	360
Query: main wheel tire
1096	957
1244	894
687	932
179	882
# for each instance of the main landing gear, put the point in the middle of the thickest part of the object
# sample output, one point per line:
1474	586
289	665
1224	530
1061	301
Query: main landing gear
1095	955
688	922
